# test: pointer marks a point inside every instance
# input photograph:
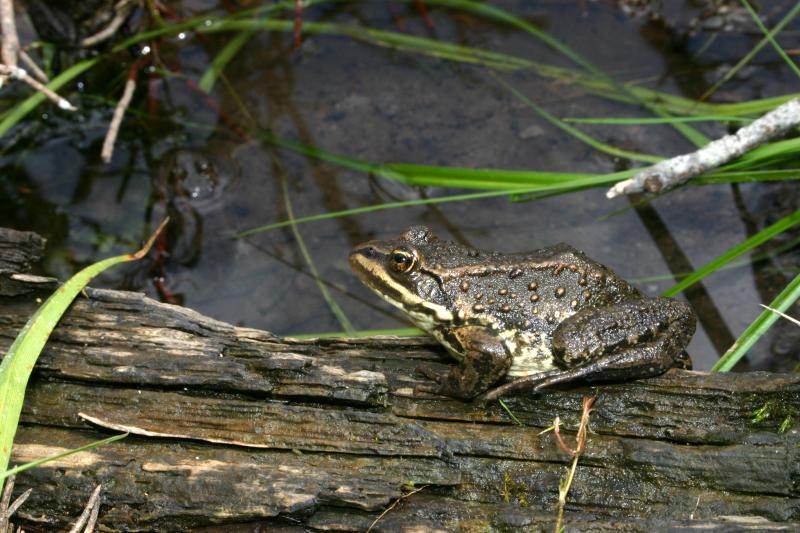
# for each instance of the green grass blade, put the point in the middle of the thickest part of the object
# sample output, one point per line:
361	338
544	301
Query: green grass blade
495	13
15	370
744	176
743	247
391	39
767	35
21	468
758	327
370	209
222	59
638	121
756	49
19	111
337	311
578	134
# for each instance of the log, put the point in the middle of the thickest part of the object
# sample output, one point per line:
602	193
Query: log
232	425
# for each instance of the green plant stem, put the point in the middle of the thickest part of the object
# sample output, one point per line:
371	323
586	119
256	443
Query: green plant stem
758	327
743	247
334	307
756	49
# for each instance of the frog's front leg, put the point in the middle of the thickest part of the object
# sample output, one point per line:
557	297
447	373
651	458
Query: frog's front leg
485	362
630	340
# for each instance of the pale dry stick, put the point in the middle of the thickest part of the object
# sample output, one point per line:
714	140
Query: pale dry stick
18	502
90	525
9	47
6	509
392	506
34	68
5	501
88	512
119	112
696	506
781	313
22	75
564	486
677	170
121	11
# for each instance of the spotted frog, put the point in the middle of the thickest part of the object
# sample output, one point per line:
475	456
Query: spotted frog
532	319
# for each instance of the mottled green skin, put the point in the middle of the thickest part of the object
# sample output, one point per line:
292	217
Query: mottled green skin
537	318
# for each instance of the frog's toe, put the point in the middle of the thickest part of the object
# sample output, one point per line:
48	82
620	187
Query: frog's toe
531	383
425	388
430	373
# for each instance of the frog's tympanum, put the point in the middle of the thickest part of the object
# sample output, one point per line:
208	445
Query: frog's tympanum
532	319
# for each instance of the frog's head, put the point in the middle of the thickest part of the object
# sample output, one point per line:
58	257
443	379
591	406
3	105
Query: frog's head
405	272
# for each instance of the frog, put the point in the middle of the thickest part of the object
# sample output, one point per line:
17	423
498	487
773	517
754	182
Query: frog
523	321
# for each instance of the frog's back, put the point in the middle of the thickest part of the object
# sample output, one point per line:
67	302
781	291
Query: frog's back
533	291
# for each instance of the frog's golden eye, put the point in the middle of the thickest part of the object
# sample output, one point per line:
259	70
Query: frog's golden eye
402	260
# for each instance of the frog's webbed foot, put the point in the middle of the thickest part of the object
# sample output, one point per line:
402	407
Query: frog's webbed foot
432	375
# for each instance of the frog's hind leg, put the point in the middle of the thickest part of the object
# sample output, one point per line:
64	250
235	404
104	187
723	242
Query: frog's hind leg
632	340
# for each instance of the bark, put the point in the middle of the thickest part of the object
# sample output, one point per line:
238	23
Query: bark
231	425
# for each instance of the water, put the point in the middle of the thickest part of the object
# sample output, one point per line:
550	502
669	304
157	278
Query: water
181	154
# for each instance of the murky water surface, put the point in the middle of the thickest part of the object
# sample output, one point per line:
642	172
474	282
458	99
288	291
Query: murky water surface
205	161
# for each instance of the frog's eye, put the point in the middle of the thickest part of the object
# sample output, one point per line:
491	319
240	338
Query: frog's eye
402	260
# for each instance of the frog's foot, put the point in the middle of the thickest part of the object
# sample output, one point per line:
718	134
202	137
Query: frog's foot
533	382
431	374
484	363
457	382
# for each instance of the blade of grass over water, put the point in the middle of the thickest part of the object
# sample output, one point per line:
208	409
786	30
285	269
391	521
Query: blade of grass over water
396	40
337	311
18	363
758	327
370	209
19	111
760	258
581	136
222	59
621	89
770	36
637	121
743	247
498	14
500	182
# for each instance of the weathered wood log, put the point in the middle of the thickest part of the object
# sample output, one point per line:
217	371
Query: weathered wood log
233	425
